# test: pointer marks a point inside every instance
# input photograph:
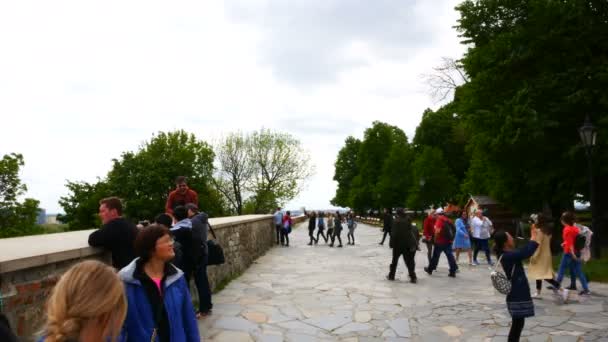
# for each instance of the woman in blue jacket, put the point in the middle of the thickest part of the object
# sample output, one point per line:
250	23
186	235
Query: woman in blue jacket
519	301
160	308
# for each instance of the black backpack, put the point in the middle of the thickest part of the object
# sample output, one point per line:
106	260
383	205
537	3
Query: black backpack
580	242
448	230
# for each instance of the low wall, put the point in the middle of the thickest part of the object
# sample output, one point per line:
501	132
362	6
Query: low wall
30	266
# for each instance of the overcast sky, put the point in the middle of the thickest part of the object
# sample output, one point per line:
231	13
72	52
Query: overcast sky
83	81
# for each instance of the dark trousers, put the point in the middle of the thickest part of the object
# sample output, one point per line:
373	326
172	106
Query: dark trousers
278	228
384	236
320	232
336	235
517	326
539	283
311	234
484	245
447	250
408	258
429	250
201	280
330	234
284	237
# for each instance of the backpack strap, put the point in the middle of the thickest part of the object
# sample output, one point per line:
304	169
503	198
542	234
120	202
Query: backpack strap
211	230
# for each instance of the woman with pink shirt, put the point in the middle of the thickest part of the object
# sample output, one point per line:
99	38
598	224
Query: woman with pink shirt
159	303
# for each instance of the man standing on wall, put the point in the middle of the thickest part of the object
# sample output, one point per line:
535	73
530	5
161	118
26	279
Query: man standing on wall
182	195
278	223
116	234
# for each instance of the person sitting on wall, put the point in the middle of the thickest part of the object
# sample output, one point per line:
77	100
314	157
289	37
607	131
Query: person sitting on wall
182	195
116	234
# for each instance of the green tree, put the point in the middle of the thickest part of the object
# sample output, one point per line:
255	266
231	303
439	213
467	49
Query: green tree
537	68
432	181
16	218
445	129
345	171
236	169
82	205
143	179
374	150
395	180
281	167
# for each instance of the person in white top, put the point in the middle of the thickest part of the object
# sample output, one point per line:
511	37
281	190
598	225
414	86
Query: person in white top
482	229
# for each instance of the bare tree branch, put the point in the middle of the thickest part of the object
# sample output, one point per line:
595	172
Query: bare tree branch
445	79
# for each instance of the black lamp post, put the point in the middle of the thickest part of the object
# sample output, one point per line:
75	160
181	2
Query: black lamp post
588	134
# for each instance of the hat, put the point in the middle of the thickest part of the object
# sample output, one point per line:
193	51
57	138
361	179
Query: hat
439	211
191	206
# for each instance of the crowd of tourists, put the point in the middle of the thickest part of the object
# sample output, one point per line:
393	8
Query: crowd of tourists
145	293
443	236
317	220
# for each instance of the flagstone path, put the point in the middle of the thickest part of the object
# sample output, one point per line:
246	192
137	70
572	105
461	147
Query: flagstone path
318	293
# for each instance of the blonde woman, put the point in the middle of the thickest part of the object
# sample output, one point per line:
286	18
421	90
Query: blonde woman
87	304
541	267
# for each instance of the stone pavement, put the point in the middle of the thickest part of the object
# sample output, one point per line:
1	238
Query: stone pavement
318	293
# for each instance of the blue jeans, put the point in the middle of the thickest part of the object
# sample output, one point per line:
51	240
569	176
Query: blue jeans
202	286
576	267
447	250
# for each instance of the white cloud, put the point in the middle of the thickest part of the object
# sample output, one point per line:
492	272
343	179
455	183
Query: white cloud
82	82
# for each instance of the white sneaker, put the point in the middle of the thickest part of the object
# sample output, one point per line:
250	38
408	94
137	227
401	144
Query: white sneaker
536	294
565	293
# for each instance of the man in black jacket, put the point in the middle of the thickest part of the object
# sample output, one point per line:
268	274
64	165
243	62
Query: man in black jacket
200	254
404	242
387	224
116	234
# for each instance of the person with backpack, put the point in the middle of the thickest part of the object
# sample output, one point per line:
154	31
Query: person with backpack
572	246
444	236
404	242
337	230
321	227
200	258
182	232
287	225
519	301
482	231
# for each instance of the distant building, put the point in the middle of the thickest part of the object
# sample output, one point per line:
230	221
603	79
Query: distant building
41	219
51	219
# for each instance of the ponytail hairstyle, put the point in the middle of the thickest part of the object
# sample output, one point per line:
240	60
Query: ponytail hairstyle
89	291
500	238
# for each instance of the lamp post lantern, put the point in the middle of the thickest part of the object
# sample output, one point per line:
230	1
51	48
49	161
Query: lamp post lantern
588	135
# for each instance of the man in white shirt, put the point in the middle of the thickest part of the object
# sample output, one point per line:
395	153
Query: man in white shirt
482	229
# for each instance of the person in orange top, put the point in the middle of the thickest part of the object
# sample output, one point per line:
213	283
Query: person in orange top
182	195
571	256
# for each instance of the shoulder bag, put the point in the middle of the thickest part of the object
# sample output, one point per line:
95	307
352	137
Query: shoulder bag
499	280
214	250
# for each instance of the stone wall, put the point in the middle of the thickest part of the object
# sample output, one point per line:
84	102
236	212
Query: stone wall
30	266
